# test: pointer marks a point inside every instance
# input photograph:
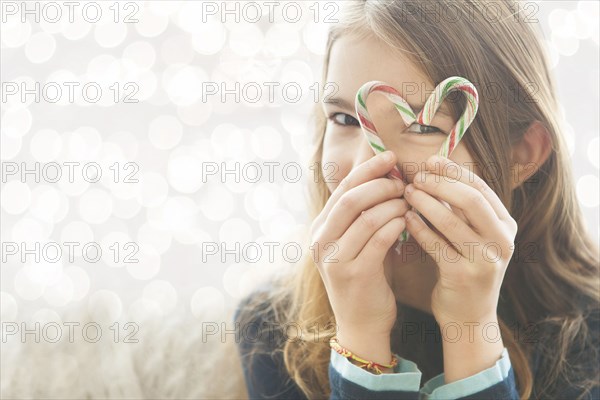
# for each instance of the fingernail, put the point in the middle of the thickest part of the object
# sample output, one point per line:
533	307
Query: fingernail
387	156
408	215
409	188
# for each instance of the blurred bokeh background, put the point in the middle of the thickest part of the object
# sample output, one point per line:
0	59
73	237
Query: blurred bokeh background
156	140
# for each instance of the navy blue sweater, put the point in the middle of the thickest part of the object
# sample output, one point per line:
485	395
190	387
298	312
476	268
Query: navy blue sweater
418	341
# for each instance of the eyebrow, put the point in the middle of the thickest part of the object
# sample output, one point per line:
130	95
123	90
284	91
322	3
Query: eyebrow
349	106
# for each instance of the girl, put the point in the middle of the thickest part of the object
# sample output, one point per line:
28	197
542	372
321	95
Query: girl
495	296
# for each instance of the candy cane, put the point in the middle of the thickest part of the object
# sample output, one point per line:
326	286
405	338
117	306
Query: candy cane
425	117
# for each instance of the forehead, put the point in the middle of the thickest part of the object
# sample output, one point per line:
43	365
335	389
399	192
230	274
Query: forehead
355	61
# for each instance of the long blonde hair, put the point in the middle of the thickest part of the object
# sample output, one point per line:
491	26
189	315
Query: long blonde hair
556	284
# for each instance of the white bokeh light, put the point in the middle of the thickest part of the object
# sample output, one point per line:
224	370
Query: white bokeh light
281	40
315	37
76	29
80	280
184	83
105	70
45	145
593	152
8	307
209	38
148	264
55	89
75	188
31	230
153	189
195	114
46	315
49	204
192	235
9	146
232	277
589	12
177	49
266	142
144	309
149	23
178	213
83	144
163	293
188	16
263	198
566	46
95	206
60	293
16	121
184	170
277	223
217	203
105	306
246	40
148	235
294	196
141	54
588	190
118	249
108	34
207	302
147	84
43	271
228	141
15	197
77	231
127	142
126	208
26	288
164	7
40	47
15	33
165	132
235	230
15	98
569	135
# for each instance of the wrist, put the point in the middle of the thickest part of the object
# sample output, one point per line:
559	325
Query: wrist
485	328
474	348
368	347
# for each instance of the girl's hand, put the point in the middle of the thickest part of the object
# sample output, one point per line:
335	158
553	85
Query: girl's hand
350	239
477	242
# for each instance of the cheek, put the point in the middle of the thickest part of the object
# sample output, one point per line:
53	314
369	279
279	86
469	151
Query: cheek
461	156
336	162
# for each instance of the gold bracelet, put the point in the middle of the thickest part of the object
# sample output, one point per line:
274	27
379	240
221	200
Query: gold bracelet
370	365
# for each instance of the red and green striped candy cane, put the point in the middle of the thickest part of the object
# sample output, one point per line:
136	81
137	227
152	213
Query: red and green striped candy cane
454	83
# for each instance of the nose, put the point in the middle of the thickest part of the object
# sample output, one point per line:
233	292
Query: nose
363	153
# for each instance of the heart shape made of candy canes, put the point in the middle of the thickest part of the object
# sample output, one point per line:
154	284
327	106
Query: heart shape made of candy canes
425	116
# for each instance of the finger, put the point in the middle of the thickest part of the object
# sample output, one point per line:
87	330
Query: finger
455	210
444	220
474	206
368	222
430	241
446	167
378	245
358	199
375	167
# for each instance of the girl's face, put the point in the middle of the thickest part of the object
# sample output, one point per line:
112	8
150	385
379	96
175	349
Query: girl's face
352	63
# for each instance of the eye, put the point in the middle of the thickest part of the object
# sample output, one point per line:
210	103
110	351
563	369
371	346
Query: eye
422	129
343	119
